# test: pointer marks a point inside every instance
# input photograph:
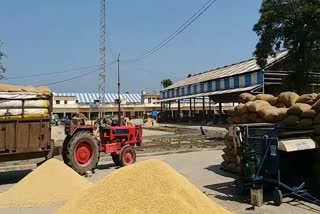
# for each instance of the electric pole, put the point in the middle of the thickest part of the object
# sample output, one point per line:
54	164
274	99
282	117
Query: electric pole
102	74
119	100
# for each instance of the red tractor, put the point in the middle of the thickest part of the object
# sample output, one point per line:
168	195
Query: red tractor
81	149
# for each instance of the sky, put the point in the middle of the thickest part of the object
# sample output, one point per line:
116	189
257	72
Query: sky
41	37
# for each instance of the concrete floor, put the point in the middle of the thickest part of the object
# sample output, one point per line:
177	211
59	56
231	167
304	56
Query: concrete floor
201	168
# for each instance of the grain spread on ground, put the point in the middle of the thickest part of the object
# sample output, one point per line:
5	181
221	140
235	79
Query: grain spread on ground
51	182
147	187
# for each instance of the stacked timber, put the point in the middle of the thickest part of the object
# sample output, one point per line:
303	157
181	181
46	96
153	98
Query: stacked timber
24	102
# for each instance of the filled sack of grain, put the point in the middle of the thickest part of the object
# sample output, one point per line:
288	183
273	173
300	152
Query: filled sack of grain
311	113
307	98
245	97
236	119
282	114
260	120
316	106
267	97
288	98
280	105
316	120
241	109
229	158
290	121
257	104
252	117
229	151
244	118
228	141
231	112
305	123
298	108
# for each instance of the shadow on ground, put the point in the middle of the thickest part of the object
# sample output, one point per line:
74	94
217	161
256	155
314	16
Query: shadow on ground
106	166
11	177
220	171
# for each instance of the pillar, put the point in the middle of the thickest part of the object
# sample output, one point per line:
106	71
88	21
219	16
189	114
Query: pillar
220	113
160	107
190	111
203	109
209	106
179	110
194	106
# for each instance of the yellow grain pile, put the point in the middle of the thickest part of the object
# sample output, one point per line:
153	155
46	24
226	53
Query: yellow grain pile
147	187
51	182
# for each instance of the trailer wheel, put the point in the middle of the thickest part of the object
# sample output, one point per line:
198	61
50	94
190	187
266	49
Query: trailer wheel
116	159
277	197
83	152
127	155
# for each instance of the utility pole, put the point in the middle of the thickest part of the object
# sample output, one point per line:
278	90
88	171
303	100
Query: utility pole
102	74
119	100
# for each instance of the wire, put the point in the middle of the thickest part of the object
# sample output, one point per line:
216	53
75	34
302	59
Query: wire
46	74
173	35
77	77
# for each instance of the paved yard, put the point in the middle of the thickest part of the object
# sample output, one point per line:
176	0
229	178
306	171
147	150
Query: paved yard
201	168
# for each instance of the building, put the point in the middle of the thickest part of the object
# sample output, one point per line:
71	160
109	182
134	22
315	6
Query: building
224	84
133	105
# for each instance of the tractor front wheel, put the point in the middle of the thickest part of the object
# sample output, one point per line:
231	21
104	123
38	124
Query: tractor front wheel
82	152
116	159
127	155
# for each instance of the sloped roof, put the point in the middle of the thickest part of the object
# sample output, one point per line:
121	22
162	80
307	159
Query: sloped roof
226	71
110	97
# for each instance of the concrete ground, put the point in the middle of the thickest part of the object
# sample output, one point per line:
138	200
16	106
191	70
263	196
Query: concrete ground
202	168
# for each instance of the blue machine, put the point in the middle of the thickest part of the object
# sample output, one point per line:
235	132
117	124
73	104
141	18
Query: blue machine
258	149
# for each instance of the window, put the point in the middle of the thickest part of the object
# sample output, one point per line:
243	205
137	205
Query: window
66	102
149	100
57	101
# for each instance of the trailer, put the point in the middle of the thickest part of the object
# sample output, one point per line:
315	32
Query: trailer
259	147
25	128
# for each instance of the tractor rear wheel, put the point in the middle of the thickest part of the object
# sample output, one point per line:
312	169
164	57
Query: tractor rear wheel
82	152
127	155
116	159
64	149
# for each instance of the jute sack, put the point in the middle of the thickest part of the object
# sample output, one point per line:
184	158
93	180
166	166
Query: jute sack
316	105
229	151
260	120
262	112
247	104
316	120
311	113
282	114
252	117
289	121
245	97
288	98
229	158
236	119
231	112
244	118
307	98
228	141
305	123
298	108
267	97
241	109
280	105
257	104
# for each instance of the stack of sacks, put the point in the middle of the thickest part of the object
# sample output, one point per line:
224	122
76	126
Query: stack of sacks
288	109
230	161
24	102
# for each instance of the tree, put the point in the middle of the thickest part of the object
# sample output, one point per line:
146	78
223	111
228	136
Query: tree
166	83
2	69
291	25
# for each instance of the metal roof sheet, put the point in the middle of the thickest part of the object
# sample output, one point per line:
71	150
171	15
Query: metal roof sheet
226	71
91	97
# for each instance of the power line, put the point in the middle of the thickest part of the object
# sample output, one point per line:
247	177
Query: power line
47	74
77	77
173	35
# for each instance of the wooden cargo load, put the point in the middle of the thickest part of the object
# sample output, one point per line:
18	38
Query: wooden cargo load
25	130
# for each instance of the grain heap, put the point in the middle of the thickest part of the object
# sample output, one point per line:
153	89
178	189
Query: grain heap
51	182
288	109
147	187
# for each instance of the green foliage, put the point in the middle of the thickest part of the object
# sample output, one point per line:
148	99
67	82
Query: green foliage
2	68
291	25
166	83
